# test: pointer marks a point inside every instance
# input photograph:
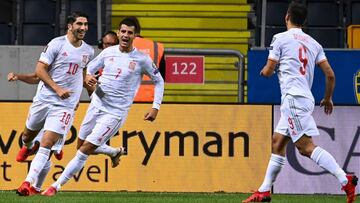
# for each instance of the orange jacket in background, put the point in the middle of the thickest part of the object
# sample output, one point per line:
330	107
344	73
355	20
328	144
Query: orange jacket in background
146	89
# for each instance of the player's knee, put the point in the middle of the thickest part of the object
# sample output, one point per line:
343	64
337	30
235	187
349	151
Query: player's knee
278	147
46	143
305	151
87	148
79	143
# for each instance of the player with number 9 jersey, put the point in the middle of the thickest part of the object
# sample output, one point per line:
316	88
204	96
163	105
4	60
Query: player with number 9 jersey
296	53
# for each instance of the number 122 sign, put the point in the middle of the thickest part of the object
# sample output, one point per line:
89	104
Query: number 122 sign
184	69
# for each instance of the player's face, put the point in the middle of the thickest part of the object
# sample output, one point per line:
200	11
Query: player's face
79	28
109	40
126	37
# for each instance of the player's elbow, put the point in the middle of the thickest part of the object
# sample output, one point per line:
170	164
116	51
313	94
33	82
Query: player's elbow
330	77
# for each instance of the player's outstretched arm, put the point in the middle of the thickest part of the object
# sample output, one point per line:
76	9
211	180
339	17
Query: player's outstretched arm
329	86
29	78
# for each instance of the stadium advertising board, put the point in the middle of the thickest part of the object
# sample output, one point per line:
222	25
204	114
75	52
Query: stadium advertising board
189	148
346	65
340	136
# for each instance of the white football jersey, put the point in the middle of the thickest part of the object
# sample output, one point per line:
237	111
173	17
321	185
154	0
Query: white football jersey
297	54
121	77
66	64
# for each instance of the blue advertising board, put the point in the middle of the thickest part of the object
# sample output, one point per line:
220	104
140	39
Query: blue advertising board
346	65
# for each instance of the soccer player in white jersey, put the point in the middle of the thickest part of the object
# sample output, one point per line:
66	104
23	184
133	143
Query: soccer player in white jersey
123	66
109	39
60	69
296	53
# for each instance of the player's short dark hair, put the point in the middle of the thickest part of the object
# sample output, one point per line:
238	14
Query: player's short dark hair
297	13
72	17
131	21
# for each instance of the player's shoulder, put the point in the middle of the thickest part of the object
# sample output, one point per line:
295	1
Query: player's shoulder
137	53
112	50
283	35
88	47
58	40
314	42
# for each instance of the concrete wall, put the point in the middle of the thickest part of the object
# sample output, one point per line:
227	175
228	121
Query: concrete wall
20	59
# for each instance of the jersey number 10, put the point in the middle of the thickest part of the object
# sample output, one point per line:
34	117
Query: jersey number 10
73	67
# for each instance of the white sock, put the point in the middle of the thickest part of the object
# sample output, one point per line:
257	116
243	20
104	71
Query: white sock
325	160
74	166
42	175
276	163
106	149
38	164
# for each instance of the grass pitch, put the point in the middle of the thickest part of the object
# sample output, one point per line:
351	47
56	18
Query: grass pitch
108	197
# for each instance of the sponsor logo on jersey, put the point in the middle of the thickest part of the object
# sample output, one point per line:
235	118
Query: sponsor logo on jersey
64	54
85	59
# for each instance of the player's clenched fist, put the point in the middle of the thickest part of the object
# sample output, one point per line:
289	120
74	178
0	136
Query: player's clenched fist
12	77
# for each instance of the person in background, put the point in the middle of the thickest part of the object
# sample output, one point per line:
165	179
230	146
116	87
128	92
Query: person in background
156	52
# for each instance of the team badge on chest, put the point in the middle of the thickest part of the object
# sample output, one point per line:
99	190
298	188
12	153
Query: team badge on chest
132	65
85	60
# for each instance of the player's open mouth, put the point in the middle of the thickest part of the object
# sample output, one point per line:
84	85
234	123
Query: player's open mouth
125	41
81	32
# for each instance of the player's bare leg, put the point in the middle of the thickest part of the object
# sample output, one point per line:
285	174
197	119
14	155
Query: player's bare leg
39	162
113	153
325	160
71	168
29	148
276	163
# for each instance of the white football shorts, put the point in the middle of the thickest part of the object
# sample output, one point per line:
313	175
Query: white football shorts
60	143
98	126
296	119
53	118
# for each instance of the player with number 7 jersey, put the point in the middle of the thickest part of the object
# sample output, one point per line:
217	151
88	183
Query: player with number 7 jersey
123	69
60	69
